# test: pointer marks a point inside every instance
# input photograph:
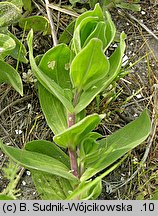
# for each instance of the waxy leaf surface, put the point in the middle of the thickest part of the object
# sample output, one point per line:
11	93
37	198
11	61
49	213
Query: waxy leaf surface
89	66
116	145
46	81
75	134
55	64
115	64
39	162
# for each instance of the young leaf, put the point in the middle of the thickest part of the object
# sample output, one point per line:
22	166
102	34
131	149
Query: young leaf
84	26
9	75
89	66
82	32
99	32
75	134
37	23
116	145
115	64
8	13
48	148
47	82
37	161
97	12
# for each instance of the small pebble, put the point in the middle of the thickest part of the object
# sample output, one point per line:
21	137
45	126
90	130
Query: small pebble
23	183
18	132
135	115
139	96
143	12
28	173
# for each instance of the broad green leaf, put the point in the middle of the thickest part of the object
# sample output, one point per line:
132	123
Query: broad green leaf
53	110
115	64
18	3
110	30
99	32
5	197
89	66
9	13
9	75
47	82
37	23
51	187
27	5
55	64
48	148
116	145
7	44
19	52
75	134
39	162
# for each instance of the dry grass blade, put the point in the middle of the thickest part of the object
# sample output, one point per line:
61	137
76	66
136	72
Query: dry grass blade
63	10
55	42
140	23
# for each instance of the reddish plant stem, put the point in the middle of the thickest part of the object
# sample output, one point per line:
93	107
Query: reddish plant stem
72	153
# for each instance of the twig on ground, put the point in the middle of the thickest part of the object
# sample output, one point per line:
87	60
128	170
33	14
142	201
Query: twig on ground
15	102
54	37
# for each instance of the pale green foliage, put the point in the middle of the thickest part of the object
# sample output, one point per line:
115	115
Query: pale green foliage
134	5
69	78
10	170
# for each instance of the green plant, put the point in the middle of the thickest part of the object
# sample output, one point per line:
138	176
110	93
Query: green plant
69	78
10	45
125	4
10	170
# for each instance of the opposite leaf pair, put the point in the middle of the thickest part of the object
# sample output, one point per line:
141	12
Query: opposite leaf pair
69	78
